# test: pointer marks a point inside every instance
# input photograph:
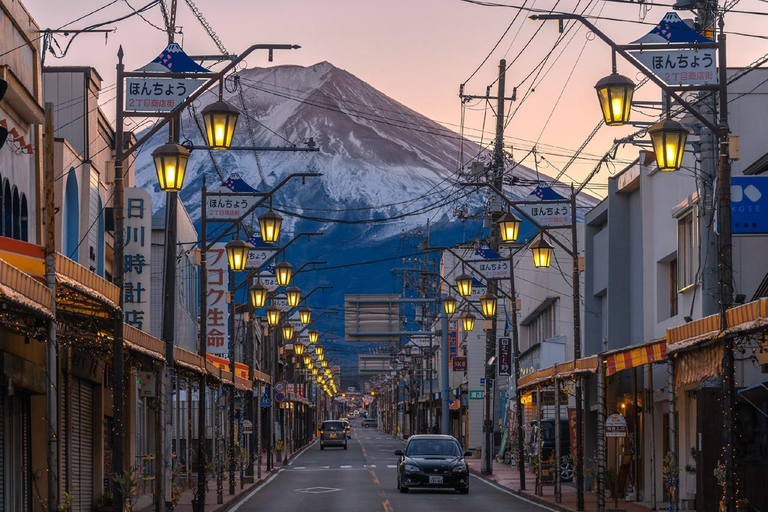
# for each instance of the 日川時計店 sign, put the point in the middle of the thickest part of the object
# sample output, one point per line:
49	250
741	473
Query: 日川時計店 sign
157	94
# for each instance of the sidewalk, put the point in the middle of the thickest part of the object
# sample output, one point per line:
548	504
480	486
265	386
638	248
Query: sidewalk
185	501
509	478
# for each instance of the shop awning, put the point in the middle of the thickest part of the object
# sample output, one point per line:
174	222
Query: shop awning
188	360
260	376
561	371
742	320
698	365
143	343
84	291
631	357
243	384
24	291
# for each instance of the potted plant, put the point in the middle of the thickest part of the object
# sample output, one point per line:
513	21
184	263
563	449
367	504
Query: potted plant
104	503
670	469
65	505
128	482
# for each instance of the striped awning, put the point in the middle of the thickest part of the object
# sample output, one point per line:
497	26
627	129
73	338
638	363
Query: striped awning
24	291
560	371
85	284
143	343
740	320
632	357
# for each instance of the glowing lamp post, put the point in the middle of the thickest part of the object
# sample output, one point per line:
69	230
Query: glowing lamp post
269	225
220	120
313	336
542	252
293	295
615	93
288	332
509	226
488	304
237	254
258	294
273	315
467	321
305	315
171	166
668	138
449	305
464	285
283	273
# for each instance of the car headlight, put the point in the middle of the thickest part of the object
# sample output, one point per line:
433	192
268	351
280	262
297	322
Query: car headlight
410	468
460	468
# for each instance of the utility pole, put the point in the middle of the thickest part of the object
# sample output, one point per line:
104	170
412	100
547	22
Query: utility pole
494	211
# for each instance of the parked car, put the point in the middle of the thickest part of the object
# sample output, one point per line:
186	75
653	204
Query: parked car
432	461
548	445
333	433
371	422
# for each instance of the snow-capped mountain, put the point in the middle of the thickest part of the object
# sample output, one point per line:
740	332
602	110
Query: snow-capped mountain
378	159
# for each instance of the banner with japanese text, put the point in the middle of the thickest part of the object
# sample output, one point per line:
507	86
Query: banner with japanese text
138	250
217	313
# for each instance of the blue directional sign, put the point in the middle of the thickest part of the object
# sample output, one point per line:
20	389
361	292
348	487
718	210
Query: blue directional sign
749	205
265	401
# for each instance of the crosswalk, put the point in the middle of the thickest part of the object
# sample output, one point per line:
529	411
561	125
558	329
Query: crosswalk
343	467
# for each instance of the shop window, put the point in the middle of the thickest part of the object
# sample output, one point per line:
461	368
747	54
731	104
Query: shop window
686	251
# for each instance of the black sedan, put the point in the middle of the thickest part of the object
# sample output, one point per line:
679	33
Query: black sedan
432	461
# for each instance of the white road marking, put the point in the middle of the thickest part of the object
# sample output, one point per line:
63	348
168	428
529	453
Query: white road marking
370	465
391	466
250	495
325	467
507	491
346	467
300	467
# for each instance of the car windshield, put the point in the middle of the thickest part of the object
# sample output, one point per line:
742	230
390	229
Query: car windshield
435	447
333	426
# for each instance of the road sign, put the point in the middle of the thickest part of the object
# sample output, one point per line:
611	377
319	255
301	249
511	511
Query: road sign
615	426
482	382
228	206
247	427
265	401
492	265
279	396
556	214
505	357
749	205
279	386
475	394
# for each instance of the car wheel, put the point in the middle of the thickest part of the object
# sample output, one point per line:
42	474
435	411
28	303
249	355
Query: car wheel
403	489
322	447
345	446
566	471
366	426
464	490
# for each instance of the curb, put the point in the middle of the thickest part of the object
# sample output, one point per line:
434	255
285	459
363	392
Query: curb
533	498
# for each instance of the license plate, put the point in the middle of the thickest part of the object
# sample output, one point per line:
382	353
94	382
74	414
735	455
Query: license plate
435	479
333	436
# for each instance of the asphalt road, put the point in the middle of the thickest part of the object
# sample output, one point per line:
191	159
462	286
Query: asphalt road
363	478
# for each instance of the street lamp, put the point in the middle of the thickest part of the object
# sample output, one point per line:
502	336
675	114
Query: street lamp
313	336
449	305
464	285
542	252
258	293
288	332
269	225
467	321
220	120
293	295
171	166
283	272
298	348
324	363
319	350
237	254
320	357
488	303
307	360
315	371
615	94
273	315
668	139
510	227
305	315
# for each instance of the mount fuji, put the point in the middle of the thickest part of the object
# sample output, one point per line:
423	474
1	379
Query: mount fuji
386	171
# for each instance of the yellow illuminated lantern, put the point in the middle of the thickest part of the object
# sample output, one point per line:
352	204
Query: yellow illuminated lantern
313	335
171	166
273	315
220	120
668	138
542	252
467	321
293	296
258	294
283	273
315	371
509	226
288	331
298	348
449	305
237	254
488	304
324	364
464	285
269	225
307	360
615	93
319	350
320	357
305	315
